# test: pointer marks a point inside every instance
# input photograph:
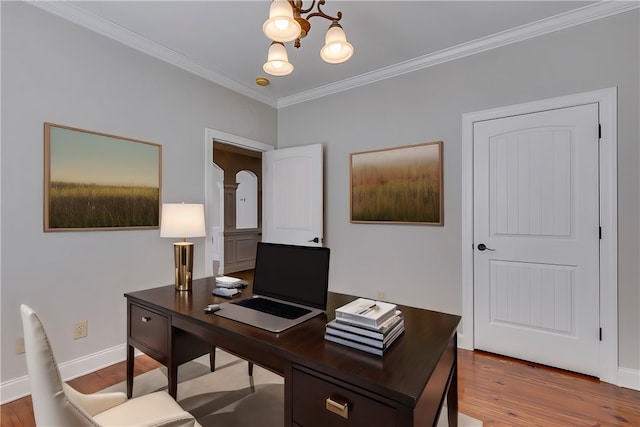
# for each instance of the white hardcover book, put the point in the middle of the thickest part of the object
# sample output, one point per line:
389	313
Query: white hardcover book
227	279
365	325
365	311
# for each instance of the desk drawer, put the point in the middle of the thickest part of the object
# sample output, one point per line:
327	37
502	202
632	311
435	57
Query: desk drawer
319	402
150	329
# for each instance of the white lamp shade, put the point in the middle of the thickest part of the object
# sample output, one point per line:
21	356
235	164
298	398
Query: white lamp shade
277	61
182	220
281	27
336	49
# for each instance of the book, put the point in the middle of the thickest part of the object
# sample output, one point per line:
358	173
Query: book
366	312
377	333
373	342
360	345
230	282
363	347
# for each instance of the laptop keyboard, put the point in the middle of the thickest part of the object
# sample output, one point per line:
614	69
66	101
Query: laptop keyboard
273	307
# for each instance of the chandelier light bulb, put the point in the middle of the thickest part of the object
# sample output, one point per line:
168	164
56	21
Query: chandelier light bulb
282	24
336	49
277	61
281	27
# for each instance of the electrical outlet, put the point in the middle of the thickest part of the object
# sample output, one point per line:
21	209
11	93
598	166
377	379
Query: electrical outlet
80	330
19	345
381	296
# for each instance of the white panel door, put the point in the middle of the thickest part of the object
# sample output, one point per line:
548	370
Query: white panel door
536	237
292	199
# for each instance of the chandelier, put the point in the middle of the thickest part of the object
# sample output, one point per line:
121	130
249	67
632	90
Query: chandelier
286	24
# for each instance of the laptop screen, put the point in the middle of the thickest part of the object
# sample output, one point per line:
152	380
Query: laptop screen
298	274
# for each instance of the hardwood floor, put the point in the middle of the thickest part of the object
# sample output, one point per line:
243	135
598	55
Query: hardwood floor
495	389
505	392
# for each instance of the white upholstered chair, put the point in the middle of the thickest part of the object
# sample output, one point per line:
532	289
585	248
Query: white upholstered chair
55	403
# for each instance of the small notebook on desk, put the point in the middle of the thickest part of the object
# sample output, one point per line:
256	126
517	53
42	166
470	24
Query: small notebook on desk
290	286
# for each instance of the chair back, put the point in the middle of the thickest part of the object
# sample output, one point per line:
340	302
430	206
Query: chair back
51	406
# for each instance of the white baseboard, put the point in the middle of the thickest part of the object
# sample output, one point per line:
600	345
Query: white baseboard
629	378
19	387
464	342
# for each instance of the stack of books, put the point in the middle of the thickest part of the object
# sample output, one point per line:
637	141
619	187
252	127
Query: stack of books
228	287
230	282
366	325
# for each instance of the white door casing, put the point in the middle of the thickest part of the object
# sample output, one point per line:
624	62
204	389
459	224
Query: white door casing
535	202
606	100
292	202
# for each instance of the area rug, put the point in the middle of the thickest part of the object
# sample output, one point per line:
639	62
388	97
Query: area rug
229	397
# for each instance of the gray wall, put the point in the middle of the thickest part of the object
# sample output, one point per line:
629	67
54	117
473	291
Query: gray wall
62	73
55	71
421	265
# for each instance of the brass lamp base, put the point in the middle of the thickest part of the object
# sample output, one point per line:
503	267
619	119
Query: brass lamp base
183	255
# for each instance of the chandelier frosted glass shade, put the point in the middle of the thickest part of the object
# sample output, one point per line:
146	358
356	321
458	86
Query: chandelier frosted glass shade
277	61
281	27
336	49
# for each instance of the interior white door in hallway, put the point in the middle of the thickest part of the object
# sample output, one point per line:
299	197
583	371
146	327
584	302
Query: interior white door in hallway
292	202
536	237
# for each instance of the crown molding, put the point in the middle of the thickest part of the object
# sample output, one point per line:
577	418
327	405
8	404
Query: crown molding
559	22
75	14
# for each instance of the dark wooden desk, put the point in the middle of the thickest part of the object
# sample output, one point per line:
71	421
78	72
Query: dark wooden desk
405	387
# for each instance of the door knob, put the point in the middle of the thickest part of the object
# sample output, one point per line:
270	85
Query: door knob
483	247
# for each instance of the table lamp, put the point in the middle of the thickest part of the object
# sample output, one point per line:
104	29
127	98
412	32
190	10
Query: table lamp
182	220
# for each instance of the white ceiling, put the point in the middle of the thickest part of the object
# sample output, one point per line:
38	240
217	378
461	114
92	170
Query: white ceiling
223	40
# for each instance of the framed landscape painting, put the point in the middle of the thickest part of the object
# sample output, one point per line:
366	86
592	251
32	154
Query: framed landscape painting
398	185
95	181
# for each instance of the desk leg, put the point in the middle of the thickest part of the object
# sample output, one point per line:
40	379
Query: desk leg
452	396
172	364
130	361
288	395
173	380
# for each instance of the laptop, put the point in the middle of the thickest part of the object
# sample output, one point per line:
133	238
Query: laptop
290	286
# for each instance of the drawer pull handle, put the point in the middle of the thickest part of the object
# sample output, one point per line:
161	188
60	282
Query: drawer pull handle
341	409
145	319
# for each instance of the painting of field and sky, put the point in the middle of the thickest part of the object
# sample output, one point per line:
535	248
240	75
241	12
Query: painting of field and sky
398	185
99	181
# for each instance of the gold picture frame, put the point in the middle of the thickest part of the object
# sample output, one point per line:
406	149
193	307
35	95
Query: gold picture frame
97	181
401	185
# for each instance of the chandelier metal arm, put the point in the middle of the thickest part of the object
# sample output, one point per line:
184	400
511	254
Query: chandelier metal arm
297	6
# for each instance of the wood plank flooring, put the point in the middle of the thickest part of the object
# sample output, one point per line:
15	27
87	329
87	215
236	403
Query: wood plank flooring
497	390
506	392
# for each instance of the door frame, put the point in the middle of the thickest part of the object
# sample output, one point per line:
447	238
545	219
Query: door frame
211	135
607	101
